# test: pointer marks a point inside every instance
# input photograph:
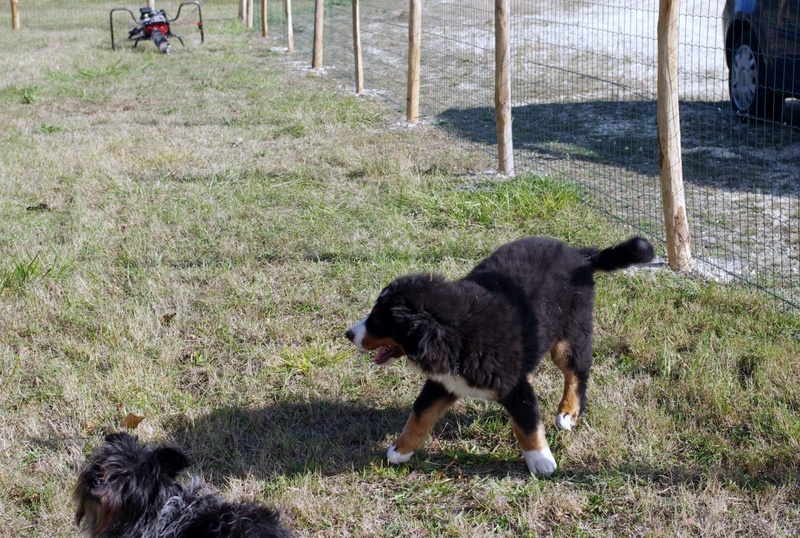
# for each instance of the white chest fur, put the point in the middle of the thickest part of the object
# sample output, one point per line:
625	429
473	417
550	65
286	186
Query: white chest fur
457	385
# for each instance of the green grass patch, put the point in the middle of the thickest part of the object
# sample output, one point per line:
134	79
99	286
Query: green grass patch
187	238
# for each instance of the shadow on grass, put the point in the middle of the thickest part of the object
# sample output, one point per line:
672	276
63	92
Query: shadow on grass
579	131
328	437
333	438
692	477
461	464
719	149
288	438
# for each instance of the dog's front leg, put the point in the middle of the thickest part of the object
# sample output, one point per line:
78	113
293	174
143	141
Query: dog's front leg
523	407
431	404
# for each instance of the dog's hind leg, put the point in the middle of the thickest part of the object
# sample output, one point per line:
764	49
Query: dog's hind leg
576	376
431	404
523	407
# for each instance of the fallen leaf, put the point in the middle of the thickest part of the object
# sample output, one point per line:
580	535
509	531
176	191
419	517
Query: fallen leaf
132	421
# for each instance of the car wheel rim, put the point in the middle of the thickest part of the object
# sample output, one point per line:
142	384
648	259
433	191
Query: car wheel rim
744	78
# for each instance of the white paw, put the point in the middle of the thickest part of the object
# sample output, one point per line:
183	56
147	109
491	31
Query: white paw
540	462
396	457
564	421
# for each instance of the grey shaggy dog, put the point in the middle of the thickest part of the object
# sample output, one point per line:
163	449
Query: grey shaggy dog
128	490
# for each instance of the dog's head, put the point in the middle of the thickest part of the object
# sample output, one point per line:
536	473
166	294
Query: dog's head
123	482
406	320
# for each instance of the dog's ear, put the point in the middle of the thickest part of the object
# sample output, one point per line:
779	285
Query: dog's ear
170	460
425	338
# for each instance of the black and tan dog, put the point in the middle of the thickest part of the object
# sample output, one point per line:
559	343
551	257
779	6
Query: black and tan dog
483	335
129	490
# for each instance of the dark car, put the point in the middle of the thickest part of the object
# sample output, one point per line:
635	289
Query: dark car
762	50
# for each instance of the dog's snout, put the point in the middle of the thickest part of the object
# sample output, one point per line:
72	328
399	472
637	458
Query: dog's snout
356	333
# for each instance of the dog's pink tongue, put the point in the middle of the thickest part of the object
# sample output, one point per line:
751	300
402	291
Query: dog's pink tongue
383	354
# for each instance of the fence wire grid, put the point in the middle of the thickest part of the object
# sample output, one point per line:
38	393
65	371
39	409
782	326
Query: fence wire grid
584	77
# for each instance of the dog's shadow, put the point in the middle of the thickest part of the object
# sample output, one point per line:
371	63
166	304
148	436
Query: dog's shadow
325	436
334	437
286	438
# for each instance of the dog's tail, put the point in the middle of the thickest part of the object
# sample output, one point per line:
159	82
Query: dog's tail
633	251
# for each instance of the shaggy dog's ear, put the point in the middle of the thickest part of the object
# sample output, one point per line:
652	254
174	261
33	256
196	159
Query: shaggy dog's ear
171	461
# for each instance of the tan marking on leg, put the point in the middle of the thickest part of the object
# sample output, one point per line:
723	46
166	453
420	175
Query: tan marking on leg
570	401
418	427
534	441
535	450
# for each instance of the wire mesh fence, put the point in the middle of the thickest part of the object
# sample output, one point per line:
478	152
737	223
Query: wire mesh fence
584	77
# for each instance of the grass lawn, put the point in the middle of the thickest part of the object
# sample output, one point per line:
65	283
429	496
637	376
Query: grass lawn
186	238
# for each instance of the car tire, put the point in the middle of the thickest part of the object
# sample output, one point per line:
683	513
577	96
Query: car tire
747	81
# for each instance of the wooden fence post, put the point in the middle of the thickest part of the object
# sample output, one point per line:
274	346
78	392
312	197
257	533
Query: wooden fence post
287	6
669	140
414	59
151	4
319	23
502	88
15	14
242	10
264	28
357	48
250	13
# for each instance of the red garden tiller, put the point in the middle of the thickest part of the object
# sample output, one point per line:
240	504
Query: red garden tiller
154	24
